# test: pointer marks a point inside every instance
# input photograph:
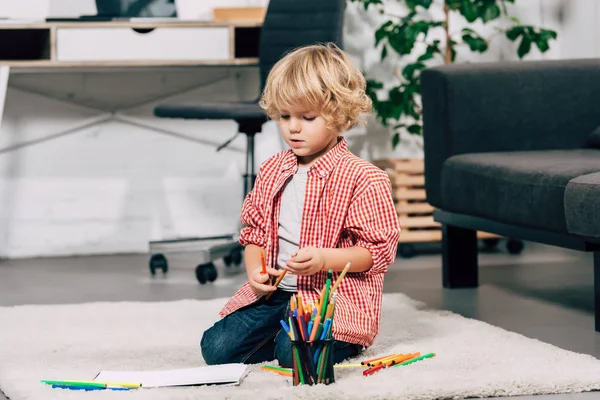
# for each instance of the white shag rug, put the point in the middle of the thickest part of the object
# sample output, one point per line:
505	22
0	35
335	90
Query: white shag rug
473	359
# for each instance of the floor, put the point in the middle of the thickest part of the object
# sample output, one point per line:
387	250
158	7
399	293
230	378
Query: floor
544	293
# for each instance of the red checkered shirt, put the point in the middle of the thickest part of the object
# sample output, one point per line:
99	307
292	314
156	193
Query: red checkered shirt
348	203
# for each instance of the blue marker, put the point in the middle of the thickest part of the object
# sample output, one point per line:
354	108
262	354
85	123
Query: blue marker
286	328
326	326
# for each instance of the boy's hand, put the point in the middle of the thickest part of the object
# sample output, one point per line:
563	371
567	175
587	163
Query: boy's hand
306	261
259	283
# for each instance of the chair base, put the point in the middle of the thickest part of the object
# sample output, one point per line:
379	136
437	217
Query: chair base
205	250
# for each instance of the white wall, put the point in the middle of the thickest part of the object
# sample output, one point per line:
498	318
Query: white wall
112	187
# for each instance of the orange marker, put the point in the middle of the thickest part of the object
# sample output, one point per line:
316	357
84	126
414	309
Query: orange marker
277	282
399	360
385	359
264	263
315	327
375	359
300	305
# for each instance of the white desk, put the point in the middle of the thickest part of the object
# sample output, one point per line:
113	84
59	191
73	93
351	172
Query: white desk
123	43
117	45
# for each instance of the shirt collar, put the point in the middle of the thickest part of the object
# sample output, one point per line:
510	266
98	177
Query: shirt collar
324	165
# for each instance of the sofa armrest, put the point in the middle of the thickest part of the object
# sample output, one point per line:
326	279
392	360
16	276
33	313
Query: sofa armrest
509	106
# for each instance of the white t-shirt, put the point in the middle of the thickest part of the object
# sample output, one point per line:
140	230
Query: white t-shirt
290	219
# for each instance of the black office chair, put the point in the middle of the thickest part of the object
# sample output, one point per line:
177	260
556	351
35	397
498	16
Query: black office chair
288	24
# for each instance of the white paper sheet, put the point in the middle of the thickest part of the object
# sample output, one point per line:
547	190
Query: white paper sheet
214	374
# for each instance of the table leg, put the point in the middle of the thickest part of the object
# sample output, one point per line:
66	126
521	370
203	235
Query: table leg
4	70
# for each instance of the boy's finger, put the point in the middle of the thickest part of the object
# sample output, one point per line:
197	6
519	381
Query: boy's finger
264	288
273	271
262	278
302	257
296	265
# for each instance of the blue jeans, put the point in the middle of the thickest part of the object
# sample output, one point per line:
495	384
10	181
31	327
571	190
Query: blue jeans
253	334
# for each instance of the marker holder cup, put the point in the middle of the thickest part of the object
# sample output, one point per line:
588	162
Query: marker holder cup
313	362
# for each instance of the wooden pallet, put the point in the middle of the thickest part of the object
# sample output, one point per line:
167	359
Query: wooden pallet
408	191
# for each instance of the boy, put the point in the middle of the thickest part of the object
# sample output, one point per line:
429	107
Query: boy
313	208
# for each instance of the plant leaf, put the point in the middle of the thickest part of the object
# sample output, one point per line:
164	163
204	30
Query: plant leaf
431	50
513	33
524	47
542	44
382	32
469	10
409	71
415	129
490	11
403	40
367	3
453	4
474	41
395	140
428	55
412	4
548	34
451	45
384	52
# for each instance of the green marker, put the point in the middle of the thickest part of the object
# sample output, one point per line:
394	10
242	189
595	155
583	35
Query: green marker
278	368
326	296
428	355
76	383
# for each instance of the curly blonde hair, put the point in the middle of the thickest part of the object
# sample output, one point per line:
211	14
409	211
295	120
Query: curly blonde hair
318	78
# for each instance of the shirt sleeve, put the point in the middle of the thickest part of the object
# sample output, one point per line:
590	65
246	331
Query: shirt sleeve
372	223
252	217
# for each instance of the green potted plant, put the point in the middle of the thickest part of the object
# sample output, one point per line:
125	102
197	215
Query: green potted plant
410	36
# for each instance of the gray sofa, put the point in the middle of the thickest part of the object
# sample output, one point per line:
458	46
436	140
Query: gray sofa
513	148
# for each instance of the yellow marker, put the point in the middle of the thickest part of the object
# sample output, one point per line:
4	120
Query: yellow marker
330	310
349	366
339	279
123	384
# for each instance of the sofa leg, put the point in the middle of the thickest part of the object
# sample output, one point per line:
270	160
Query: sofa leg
459	257
597	290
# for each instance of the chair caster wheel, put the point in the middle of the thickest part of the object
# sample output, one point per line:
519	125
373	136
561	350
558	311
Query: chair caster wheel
158	261
236	257
206	273
490	244
233	258
515	246
407	250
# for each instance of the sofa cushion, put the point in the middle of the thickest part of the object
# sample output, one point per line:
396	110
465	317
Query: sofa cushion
582	205
521	188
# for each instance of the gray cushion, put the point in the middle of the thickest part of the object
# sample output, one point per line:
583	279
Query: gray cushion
506	106
235	110
582	205
520	188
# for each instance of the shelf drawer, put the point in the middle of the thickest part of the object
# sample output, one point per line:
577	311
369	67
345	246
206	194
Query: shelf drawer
158	44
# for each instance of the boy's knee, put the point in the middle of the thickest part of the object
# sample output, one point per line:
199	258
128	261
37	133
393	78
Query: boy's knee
215	349
285	359
283	350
